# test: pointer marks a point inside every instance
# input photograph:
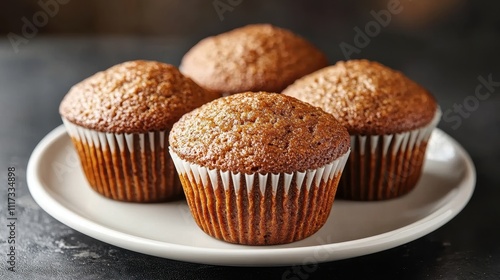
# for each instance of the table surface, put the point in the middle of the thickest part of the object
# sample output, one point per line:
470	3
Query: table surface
34	80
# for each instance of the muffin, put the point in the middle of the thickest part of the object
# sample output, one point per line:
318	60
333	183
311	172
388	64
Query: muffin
119	121
259	168
389	117
258	57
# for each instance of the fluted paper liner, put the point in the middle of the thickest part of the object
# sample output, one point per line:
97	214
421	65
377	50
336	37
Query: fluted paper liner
128	167
259	209
385	166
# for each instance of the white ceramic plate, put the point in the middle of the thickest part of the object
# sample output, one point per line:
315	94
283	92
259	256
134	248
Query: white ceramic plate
167	230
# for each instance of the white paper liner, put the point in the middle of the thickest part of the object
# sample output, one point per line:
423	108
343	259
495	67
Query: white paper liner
200	174
107	140
259	209
391	145
405	141
128	167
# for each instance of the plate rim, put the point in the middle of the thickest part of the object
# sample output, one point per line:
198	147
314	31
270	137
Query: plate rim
255	255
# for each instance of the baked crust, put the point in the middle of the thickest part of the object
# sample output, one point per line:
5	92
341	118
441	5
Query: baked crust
133	97
367	97
258	57
259	132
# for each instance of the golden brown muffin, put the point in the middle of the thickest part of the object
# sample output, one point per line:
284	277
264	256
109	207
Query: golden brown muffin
258	57
367	97
259	168
388	116
119	120
133	97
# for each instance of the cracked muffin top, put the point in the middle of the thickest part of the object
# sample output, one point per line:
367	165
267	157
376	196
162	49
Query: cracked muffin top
367	97
259	132
258	57
133	97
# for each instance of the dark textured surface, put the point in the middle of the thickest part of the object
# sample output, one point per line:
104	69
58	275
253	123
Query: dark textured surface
33	82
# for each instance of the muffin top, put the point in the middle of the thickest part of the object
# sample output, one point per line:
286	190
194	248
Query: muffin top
367	97
133	97
258	57
259	132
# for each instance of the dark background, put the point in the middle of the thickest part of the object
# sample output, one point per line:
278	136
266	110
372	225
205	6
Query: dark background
444	45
